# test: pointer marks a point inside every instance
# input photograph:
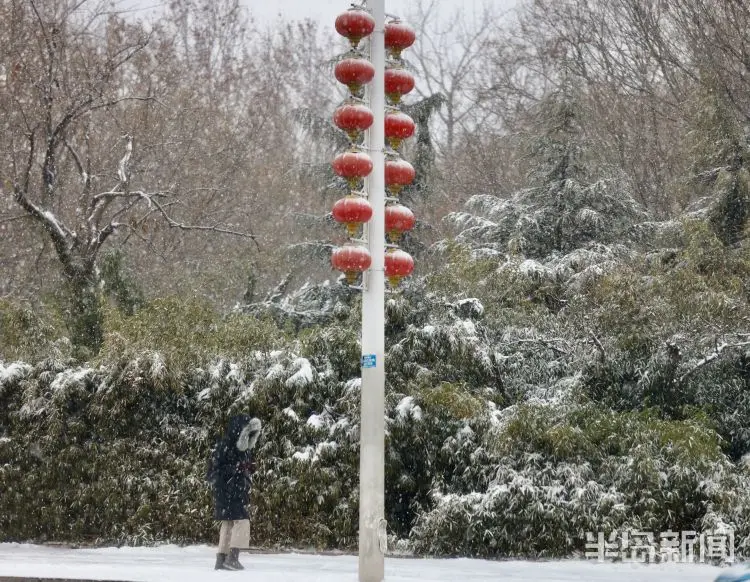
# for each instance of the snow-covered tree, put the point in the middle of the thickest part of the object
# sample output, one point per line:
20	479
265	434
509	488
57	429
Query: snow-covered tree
565	207
78	105
720	150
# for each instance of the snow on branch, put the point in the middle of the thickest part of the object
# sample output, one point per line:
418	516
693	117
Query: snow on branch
121	190
85	176
123	168
466	220
58	231
182	226
710	358
599	347
546	343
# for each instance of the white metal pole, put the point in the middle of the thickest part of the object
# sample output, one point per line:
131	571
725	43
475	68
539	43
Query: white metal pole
372	426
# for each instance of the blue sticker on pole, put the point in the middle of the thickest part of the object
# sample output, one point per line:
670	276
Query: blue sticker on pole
368	361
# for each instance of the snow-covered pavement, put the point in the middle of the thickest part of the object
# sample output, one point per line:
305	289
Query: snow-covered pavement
195	563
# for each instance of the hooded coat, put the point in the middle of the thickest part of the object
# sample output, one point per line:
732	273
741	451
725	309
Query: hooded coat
231	469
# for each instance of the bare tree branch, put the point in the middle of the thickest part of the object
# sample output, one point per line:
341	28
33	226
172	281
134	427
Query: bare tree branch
174	224
599	347
61	236
14	218
85	176
30	163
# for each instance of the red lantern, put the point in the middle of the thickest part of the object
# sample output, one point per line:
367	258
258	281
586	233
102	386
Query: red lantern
353	166
398	127
398	173
353	119
355	24
398	36
398	82
398	264
354	73
351	260
398	219
352	211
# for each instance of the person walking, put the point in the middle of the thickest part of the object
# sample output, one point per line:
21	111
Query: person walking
230	469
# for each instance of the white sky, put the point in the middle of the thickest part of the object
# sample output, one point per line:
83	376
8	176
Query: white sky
325	11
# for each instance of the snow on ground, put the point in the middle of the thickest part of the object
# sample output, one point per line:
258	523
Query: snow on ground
195	563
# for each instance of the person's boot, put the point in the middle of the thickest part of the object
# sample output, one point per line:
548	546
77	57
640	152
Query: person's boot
221	562
233	562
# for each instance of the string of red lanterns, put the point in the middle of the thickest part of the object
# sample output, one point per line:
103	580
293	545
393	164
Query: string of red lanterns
355	71
398	126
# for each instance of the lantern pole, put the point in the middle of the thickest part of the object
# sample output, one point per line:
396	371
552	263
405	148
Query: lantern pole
372	526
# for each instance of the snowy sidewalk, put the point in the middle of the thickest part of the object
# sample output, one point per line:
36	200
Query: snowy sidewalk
195	563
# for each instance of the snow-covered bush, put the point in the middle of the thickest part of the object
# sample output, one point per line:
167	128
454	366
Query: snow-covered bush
434	436
526	400
565	471
672	335
308	306
30	332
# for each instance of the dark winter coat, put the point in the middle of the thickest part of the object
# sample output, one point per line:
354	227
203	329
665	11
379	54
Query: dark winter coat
230	470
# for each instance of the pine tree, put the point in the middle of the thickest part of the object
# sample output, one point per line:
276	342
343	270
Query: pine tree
565	207
720	150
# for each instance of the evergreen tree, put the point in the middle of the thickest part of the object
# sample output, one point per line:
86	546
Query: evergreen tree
565	207
720	153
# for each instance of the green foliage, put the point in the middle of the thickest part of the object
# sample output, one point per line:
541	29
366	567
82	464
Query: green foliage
719	148
186	331
674	334
309	497
730	215
645	302
71	473
563	471
504	292
565	208
527	402
339	346
30	332
558	146
588	434
119	282
452	400
423	158
434	438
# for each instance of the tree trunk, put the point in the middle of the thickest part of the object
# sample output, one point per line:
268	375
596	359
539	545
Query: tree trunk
84	317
